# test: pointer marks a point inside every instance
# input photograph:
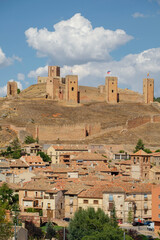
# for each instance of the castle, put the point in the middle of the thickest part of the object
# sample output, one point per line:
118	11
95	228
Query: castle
58	88
67	89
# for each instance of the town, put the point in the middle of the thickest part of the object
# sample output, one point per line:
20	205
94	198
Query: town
54	172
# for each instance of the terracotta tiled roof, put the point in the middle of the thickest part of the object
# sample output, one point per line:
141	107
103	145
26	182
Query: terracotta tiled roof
93	192
140	153
90	156
18	163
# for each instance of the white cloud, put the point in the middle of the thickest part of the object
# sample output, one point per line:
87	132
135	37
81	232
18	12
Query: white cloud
4	61
3	91
20	76
138	15
75	41
41	71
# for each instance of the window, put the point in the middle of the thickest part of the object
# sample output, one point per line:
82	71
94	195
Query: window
36	194
48	205
159	206
95	201
112	91
159	196
72	88
110	197
145	196
85	201
134	195
159	215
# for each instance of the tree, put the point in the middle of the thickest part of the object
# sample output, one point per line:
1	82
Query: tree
113	216
16	154
18	91
33	231
147	150
140	145
44	156
7	198
5	225
130	216
50	232
91	224
16	144
29	139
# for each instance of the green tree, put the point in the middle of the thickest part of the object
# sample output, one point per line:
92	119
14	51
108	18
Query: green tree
113	216
29	139
16	144
158	150
140	145
18	91
5	225
7	198
130	216
33	231
147	150
16	154
44	156
91	224
50	232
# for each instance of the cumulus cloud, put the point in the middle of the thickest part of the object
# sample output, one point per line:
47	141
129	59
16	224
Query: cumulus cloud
20	76
76	41
41	71
4	61
138	15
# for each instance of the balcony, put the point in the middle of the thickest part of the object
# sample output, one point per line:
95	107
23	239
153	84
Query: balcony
46	197
145	207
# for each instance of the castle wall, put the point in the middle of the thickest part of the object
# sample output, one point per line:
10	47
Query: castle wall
111	89
148	90
42	79
132	123
65	132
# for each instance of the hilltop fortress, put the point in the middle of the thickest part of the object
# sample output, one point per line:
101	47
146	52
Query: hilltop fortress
66	89
57	109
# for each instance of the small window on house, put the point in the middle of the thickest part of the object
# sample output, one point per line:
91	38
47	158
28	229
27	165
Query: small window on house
145	196
95	201
70	81
110	197
85	201
48	205
134	195
150	84
112	82
36	194
50	80
112	91
159	196
159	206
158	215
72	88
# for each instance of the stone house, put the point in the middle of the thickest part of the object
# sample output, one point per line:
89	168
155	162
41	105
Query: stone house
34	162
54	152
155	159
154	174
140	165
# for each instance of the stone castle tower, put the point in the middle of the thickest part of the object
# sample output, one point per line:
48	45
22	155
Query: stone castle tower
111	87
11	89
53	71
148	90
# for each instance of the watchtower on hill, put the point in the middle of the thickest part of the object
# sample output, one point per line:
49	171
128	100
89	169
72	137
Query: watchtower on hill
11	89
148	90
111	86
72	88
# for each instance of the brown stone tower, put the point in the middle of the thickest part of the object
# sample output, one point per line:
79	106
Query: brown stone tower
53	71
72	88
11	89
148	90
111	89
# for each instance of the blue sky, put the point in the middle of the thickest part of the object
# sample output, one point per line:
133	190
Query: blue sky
85	37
